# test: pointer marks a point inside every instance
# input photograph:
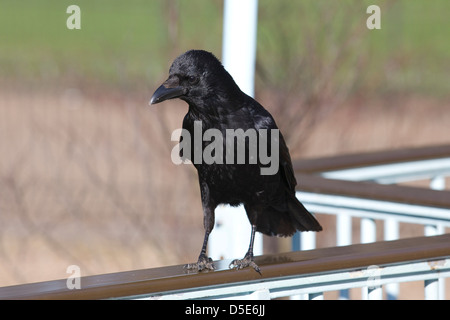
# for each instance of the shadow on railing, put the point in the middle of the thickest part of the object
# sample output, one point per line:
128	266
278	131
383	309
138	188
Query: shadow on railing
343	186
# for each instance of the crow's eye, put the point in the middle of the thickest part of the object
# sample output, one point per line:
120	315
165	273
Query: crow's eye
192	79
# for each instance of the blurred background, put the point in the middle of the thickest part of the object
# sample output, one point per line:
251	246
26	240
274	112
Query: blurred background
86	176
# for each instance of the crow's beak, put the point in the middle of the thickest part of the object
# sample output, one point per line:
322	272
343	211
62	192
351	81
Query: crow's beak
165	93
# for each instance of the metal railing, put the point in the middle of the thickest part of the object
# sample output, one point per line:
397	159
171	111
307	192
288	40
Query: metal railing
354	186
311	272
345	186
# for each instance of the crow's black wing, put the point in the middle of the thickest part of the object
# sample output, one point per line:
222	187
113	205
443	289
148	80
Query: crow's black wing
287	171
264	120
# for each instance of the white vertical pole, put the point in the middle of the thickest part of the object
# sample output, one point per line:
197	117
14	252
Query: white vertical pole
391	229
368	230
368	235
316	296
391	232
308	240
343	229
231	236
432	289
343	238
375	293
438	183
239	42
435	289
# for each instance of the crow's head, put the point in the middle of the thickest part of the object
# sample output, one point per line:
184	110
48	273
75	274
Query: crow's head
195	77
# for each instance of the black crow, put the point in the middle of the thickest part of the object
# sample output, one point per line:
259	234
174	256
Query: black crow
216	102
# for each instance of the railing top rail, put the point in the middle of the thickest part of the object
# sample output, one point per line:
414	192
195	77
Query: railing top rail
369	190
148	281
370	159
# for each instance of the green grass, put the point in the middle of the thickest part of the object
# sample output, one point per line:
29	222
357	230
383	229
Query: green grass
124	42
115	39
413	46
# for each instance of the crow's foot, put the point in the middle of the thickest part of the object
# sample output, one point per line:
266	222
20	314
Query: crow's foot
247	261
203	263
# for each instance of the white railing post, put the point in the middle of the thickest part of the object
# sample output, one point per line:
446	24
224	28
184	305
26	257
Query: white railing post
307	240
343	229
391	229
437	183
391	232
435	289
375	293
368	235
432	289
316	296
368	230
343	238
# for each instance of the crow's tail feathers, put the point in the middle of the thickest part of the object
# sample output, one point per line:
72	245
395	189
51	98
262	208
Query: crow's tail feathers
302	218
274	222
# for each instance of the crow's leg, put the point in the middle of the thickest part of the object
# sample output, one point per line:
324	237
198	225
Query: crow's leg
203	262
247	261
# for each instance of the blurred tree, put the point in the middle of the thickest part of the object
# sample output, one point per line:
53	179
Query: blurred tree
309	59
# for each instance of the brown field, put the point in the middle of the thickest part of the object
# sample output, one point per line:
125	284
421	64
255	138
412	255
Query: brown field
87	179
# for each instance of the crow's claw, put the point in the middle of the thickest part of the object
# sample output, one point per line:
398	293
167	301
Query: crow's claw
247	261
203	263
